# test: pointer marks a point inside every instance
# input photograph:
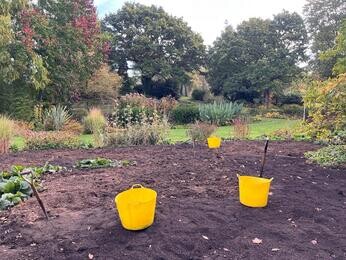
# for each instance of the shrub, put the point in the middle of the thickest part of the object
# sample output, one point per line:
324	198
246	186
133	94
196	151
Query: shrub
147	133
289	99
55	118
326	106
199	132
241	127
185	114
6	133
329	156
95	122
296	111
52	140
122	117
219	113
198	94
73	126
273	114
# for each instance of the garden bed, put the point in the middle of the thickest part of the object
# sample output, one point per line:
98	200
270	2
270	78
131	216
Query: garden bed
198	214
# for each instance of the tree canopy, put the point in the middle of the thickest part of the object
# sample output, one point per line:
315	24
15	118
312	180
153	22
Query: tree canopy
259	57
324	19
159	47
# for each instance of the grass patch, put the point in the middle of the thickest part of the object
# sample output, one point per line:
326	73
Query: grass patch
178	134
257	129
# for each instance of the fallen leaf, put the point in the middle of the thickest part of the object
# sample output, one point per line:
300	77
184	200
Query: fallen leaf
205	237
275	249
318	209
257	241
298	177
90	256
225	249
314	242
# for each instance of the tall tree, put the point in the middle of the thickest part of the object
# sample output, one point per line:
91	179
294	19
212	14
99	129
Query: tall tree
160	47
324	19
22	70
259	58
338	51
71	43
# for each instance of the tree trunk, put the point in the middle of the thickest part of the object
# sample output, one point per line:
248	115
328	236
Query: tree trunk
267	98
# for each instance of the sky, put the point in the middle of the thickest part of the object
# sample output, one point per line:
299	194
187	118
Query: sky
208	17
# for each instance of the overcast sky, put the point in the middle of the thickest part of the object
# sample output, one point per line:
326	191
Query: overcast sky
208	16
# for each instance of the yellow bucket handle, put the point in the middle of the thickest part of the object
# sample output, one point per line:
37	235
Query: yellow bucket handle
137	186
269	179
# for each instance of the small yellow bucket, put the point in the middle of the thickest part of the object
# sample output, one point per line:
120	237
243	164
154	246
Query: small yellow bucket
136	207
254	191
214	142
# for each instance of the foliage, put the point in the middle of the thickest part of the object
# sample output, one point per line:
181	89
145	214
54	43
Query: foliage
219	113
146	133
68	36
94	122
55	118
199	131
14	189
133	108
338	51
198	94
331	155
185	114
103	85
52	140
292	110
326	104
102	163
73	126
324	19
241	127
6	133
258	58
160	47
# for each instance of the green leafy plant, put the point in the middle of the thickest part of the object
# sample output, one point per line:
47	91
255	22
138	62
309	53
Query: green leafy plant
219	113
14	184
55	118
102	163
331	155
6	133
185	114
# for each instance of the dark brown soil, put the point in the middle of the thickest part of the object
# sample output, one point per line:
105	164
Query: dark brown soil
198	214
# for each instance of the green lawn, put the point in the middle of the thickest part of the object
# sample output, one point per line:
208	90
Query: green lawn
178	134
257	129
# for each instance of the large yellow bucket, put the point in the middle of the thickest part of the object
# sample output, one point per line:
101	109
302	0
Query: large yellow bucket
214	142
136	207
254	191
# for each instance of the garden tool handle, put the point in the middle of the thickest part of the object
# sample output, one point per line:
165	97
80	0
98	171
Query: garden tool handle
264	157
137	186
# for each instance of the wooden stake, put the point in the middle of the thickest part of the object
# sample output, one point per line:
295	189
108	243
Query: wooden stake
264	157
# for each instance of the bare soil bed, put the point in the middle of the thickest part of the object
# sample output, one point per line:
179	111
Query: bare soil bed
198	215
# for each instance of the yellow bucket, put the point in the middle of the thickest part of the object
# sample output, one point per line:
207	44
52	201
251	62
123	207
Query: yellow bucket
136	207
254	191
214	142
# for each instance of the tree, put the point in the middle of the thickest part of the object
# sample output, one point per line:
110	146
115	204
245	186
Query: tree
71	43
324	19
159	47
258	58
22	70
103	85
338	52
